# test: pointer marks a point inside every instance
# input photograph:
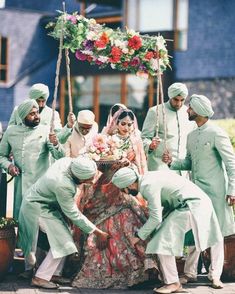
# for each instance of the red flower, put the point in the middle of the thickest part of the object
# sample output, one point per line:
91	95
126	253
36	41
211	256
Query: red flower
116	54
125	64
149	55
156	54
89	58
135	42
103	41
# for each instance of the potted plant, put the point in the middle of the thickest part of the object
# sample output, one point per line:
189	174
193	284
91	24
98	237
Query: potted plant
7	243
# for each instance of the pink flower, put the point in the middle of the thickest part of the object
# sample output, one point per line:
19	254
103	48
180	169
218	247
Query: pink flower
135	61
80	56
72	18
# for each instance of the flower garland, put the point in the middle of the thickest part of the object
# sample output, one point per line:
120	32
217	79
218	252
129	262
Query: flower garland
123	50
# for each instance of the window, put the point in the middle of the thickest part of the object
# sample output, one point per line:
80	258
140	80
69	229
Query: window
2	4
181	25
99	93
150	16
3	59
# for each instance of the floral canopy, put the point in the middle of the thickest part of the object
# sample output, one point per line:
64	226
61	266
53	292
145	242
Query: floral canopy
123	50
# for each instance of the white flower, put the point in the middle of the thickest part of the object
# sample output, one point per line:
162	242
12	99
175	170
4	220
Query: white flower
154	63
91	35
103	59
92	21
87	52
109	32
92	149
116	153
132	32
131	51
125	50
113	65
120	44
161	43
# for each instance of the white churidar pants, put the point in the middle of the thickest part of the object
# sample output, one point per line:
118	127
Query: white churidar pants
217	261
167	262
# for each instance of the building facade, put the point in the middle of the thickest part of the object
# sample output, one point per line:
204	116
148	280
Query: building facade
201	46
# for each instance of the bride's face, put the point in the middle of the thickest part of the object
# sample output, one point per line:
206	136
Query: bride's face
125	126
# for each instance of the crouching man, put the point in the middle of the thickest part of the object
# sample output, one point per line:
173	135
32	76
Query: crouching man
44	206
175	206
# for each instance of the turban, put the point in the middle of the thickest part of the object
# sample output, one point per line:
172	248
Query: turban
177	89
124	177
83	168
39	91
201	105
25	107
86	117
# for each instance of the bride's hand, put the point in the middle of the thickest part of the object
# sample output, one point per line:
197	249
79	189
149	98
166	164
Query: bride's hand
131	155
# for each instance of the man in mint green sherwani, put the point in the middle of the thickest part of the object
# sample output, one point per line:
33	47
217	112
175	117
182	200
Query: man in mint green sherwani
211	158
175	206
46	205
177	128
30	145
40	93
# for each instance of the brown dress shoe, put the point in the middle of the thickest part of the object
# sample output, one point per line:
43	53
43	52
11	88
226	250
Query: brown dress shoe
167	289
41	283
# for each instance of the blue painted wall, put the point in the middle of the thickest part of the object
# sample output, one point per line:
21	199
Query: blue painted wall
43	6
211	41
32	57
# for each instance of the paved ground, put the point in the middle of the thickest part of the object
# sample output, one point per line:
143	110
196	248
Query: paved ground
11	284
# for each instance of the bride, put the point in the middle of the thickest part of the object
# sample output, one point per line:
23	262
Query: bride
121	264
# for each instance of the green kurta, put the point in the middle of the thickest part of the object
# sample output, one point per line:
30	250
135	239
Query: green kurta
31	149
169	198
211	158
45	119
178	126
51	195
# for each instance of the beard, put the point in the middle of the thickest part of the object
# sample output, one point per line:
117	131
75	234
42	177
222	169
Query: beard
192	117
32	123
41	109
133	192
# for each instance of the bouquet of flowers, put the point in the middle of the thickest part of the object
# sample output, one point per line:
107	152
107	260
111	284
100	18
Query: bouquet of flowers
107	148
126	50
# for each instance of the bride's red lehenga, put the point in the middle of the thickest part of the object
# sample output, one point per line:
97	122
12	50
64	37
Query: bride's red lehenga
121	264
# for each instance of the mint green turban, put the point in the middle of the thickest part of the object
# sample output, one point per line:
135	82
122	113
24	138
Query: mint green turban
124	177
177	89
39	91
25	107
201	105
83	167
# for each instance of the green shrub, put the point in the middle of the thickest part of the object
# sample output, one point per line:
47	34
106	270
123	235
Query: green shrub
229	126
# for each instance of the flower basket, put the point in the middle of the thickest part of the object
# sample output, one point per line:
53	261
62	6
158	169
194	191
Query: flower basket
7	244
